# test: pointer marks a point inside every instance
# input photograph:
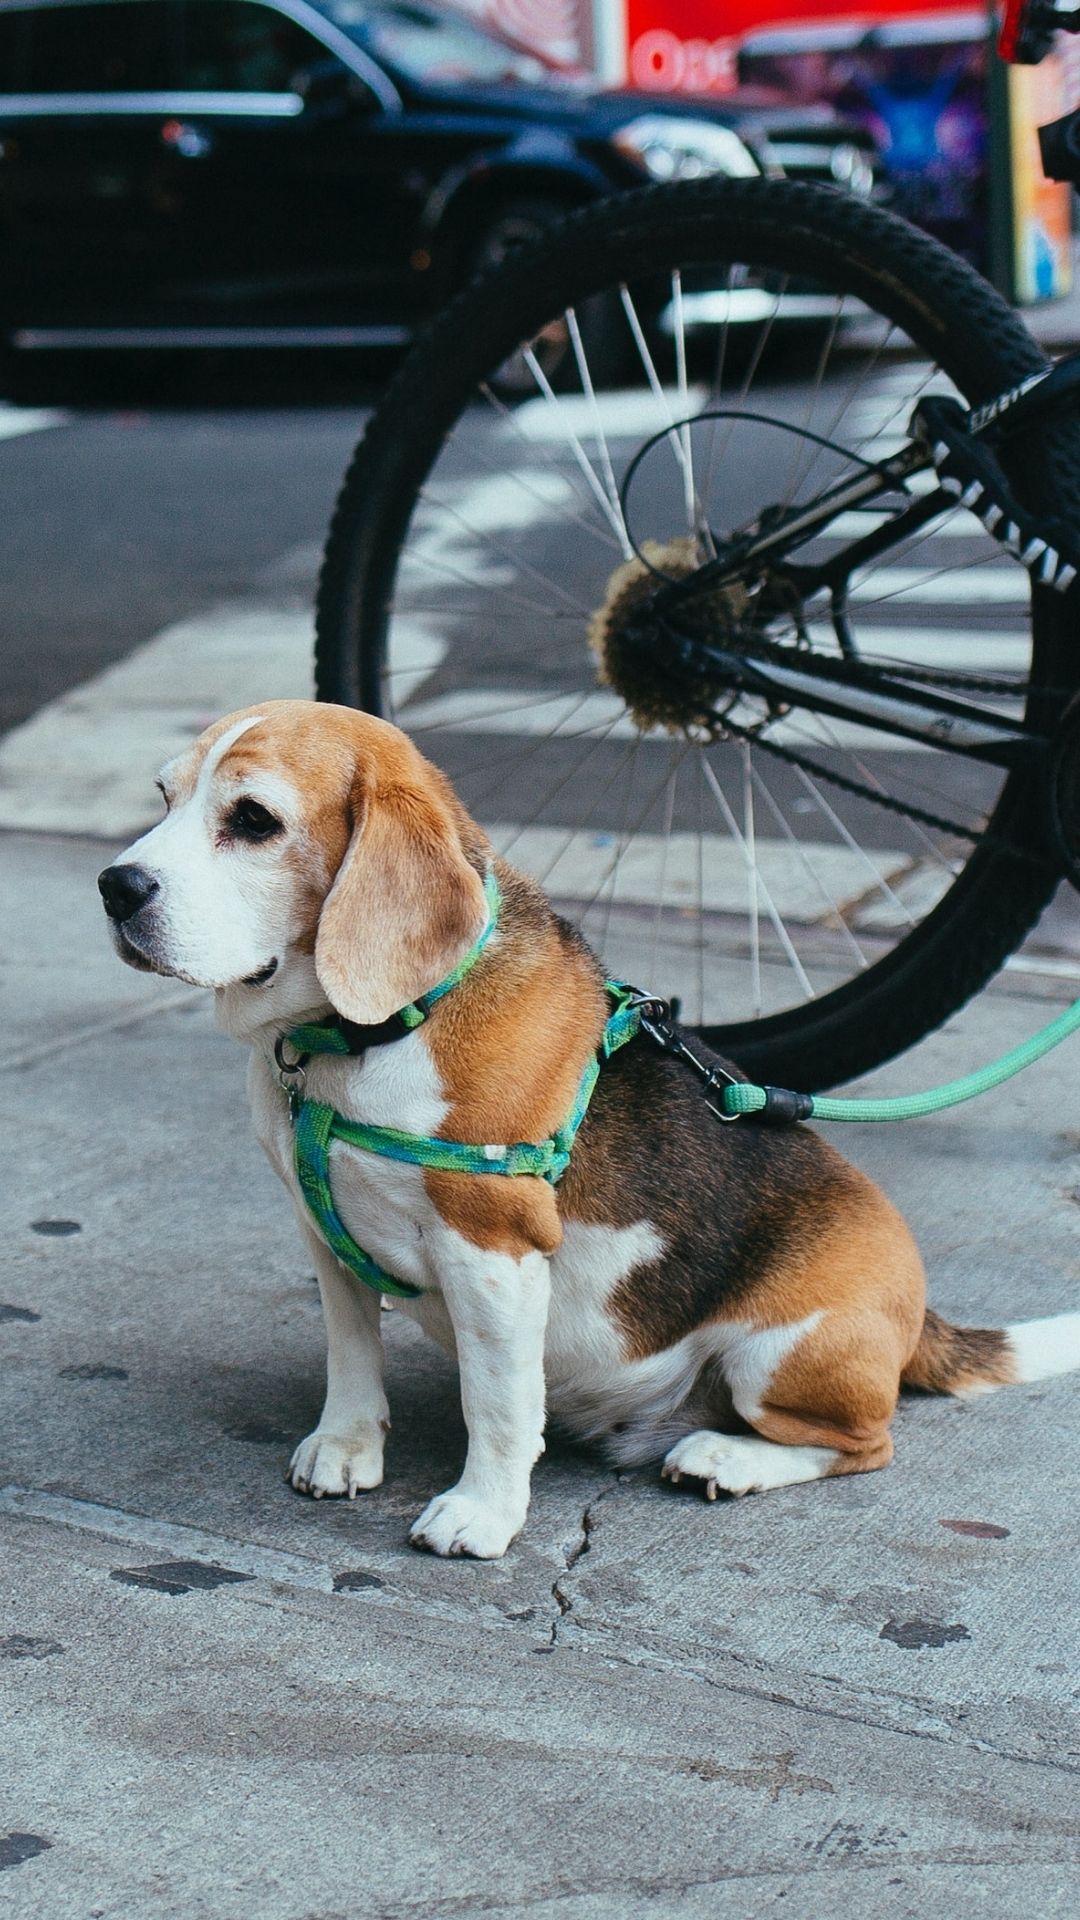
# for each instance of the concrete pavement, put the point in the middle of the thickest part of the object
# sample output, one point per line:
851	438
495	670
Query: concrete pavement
221	1698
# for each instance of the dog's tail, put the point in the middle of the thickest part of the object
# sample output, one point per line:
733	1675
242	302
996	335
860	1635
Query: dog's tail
976	1359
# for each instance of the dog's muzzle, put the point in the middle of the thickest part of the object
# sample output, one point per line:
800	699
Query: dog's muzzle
125	890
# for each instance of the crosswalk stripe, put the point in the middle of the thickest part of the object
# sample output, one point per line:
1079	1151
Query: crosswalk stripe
808	883
1002	584
632	413
86	762
960	525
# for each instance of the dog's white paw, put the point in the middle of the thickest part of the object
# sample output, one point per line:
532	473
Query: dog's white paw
325	1464
744	1463
458	1523
713	1458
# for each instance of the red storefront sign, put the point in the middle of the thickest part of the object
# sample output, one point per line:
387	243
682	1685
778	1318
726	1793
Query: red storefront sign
690	46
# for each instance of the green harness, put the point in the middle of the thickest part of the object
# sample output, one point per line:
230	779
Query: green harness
316	1126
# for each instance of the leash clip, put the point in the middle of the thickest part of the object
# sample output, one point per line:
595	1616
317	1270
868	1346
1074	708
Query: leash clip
291	1076
716	1079
656	1022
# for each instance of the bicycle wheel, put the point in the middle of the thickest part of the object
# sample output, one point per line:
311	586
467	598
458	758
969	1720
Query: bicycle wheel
817	894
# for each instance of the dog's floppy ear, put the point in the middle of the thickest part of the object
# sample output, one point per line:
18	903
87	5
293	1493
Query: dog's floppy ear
405	906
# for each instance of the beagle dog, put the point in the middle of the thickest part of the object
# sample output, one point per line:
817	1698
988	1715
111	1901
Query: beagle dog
738	1303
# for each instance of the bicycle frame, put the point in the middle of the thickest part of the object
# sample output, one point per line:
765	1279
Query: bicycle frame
833	687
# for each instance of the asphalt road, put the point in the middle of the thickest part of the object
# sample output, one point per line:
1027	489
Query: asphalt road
119	521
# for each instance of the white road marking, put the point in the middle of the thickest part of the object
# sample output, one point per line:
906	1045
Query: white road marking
494	503
85	763
960	525
983	650
1043	1348
804	885
631	414
1051	969
1001	584
17	420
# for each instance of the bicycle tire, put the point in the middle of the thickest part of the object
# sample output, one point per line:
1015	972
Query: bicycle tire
951	313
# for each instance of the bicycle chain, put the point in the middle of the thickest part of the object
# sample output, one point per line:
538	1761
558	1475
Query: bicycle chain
856	787
906	808
869	672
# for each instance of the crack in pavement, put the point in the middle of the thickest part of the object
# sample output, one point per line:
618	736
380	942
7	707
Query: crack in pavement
576	1552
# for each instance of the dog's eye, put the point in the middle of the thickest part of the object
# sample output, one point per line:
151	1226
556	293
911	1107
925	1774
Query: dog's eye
163	794
247	820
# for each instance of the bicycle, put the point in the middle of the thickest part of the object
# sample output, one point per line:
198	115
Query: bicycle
767	788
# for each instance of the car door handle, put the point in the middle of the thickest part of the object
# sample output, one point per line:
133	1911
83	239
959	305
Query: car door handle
190	141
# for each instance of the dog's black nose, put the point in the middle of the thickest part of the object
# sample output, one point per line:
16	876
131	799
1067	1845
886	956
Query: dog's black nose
125	889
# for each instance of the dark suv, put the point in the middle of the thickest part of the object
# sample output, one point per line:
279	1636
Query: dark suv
245	172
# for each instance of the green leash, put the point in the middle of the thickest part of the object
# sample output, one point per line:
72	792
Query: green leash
742	1099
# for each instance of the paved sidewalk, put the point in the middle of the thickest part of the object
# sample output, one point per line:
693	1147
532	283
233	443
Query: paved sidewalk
225	1700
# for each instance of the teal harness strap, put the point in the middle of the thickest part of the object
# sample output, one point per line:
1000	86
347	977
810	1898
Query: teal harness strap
744	1099
317	1126
311	1154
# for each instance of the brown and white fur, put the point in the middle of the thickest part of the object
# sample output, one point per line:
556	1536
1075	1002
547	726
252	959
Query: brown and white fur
742	1304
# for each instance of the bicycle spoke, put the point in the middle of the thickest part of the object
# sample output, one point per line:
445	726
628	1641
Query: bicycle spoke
505	552
752	880
560	785
852	845
493	587
598	431
695	519
520	760
600	530
613	513
639	819
665	849
778	925
834	909
804	464
624	835
652	376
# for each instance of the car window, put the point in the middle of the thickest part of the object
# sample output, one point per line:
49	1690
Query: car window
106	46
426	43
238	46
